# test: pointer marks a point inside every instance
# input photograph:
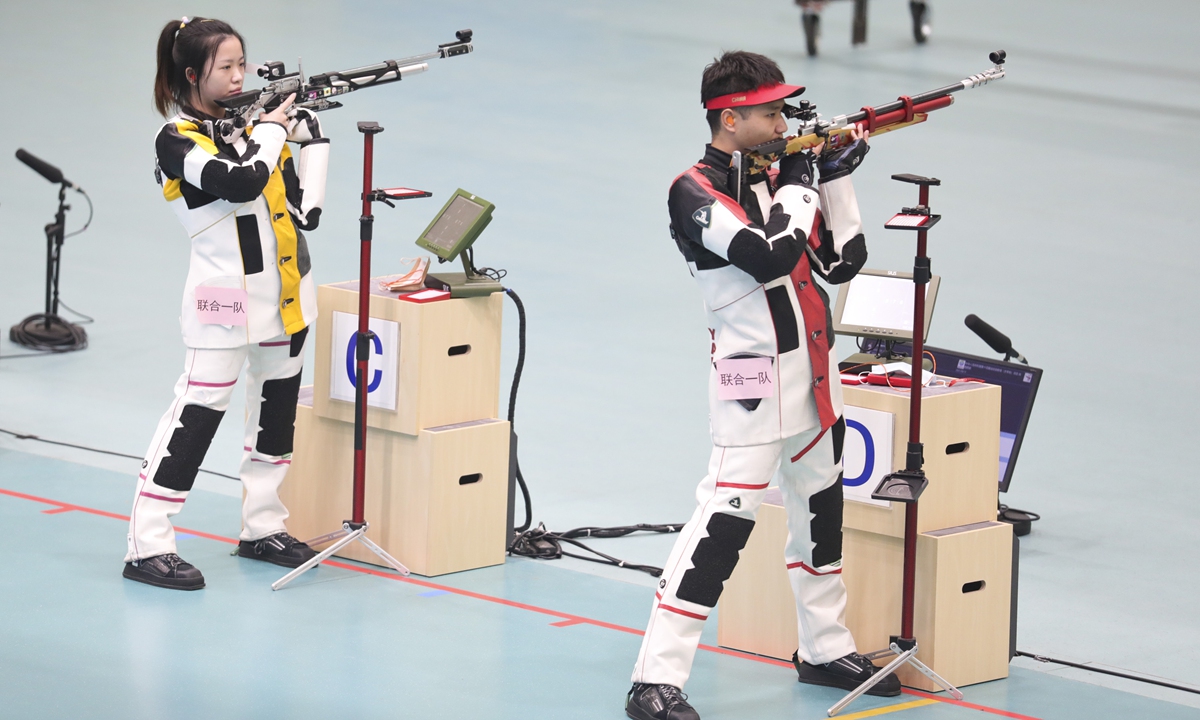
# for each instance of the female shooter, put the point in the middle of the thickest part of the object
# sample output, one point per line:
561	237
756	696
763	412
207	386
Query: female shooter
249	298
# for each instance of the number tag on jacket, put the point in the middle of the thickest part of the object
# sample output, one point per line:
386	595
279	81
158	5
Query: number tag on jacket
221	306
745	378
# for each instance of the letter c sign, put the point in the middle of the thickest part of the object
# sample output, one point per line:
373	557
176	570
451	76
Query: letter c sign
350	369
868	453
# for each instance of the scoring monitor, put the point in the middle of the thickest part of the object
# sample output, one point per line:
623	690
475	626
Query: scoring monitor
879	303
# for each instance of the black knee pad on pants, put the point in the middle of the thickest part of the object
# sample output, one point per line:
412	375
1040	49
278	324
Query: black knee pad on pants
714	559
826	524
189	443
277	417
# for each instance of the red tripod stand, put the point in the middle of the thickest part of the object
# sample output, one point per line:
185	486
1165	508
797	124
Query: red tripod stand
906	485
356	527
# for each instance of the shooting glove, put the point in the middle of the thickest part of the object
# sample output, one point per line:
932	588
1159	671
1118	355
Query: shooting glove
304	126
796	169
834	164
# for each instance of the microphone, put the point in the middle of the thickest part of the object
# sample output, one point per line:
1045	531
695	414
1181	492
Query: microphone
995	339
45	169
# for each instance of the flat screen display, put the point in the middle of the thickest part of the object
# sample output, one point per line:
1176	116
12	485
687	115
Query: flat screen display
453	223
879	303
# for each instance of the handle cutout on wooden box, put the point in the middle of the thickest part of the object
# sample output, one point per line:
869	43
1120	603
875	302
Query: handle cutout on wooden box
458	350
973	586
955	448
476	477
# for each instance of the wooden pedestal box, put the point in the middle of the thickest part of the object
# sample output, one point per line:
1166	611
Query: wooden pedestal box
962	598
437	500
448	370
960	428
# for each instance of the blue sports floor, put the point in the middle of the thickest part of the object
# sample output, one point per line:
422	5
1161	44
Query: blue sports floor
1068	223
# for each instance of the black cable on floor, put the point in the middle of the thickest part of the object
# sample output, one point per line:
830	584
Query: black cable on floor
1090	668
27	436
539	542
542	544
49	333
512	404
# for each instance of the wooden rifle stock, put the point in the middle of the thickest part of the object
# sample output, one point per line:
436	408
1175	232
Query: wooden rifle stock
901	113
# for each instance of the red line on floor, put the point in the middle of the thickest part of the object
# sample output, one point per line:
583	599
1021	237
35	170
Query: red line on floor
567	618
57	510
973	706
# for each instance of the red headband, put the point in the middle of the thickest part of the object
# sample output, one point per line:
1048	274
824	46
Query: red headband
758	96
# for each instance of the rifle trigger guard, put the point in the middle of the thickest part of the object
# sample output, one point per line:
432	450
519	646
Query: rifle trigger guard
909	114
869	121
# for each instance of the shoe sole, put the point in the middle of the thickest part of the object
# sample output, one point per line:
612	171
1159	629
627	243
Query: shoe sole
844	684
159	582
274	561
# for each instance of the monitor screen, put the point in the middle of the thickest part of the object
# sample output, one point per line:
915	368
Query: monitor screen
879	303
453	223
1018	388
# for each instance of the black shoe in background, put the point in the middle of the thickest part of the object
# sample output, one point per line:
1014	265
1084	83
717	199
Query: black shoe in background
658	702
846	673
165	571
280	549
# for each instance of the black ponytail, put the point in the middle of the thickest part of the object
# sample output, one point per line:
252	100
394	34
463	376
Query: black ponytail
184	44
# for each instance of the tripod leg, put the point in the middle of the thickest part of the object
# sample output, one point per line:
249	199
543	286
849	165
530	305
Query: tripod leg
871	682
929	673
383	554
320	557
327	537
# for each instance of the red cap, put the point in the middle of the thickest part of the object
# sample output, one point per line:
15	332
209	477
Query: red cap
758	96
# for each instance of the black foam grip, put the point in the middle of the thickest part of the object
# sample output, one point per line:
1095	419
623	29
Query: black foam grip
277	416
41	167
995	339
826	524
714	559
187	447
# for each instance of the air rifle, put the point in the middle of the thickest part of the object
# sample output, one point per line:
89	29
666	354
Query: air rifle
316	94
904	112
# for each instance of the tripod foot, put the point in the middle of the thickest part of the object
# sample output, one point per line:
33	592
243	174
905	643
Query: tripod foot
319	557
888	669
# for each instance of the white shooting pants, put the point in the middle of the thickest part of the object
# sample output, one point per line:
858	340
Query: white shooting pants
808	474
186	430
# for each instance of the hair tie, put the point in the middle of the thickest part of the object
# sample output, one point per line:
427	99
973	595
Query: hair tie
183	24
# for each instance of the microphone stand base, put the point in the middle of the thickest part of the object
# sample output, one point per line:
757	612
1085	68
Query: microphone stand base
48	333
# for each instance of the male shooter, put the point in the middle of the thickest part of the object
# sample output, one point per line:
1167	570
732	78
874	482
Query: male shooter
769	321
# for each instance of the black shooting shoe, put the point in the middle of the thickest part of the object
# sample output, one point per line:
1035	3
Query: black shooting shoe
658	702
280	548
846	673
165	571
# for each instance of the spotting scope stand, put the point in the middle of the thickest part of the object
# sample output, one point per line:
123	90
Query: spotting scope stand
356	527
905	486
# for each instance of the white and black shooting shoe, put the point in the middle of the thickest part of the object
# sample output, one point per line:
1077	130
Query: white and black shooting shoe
846	673
280	549
658	702
165	571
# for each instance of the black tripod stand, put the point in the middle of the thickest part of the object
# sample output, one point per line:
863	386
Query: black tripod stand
46	330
